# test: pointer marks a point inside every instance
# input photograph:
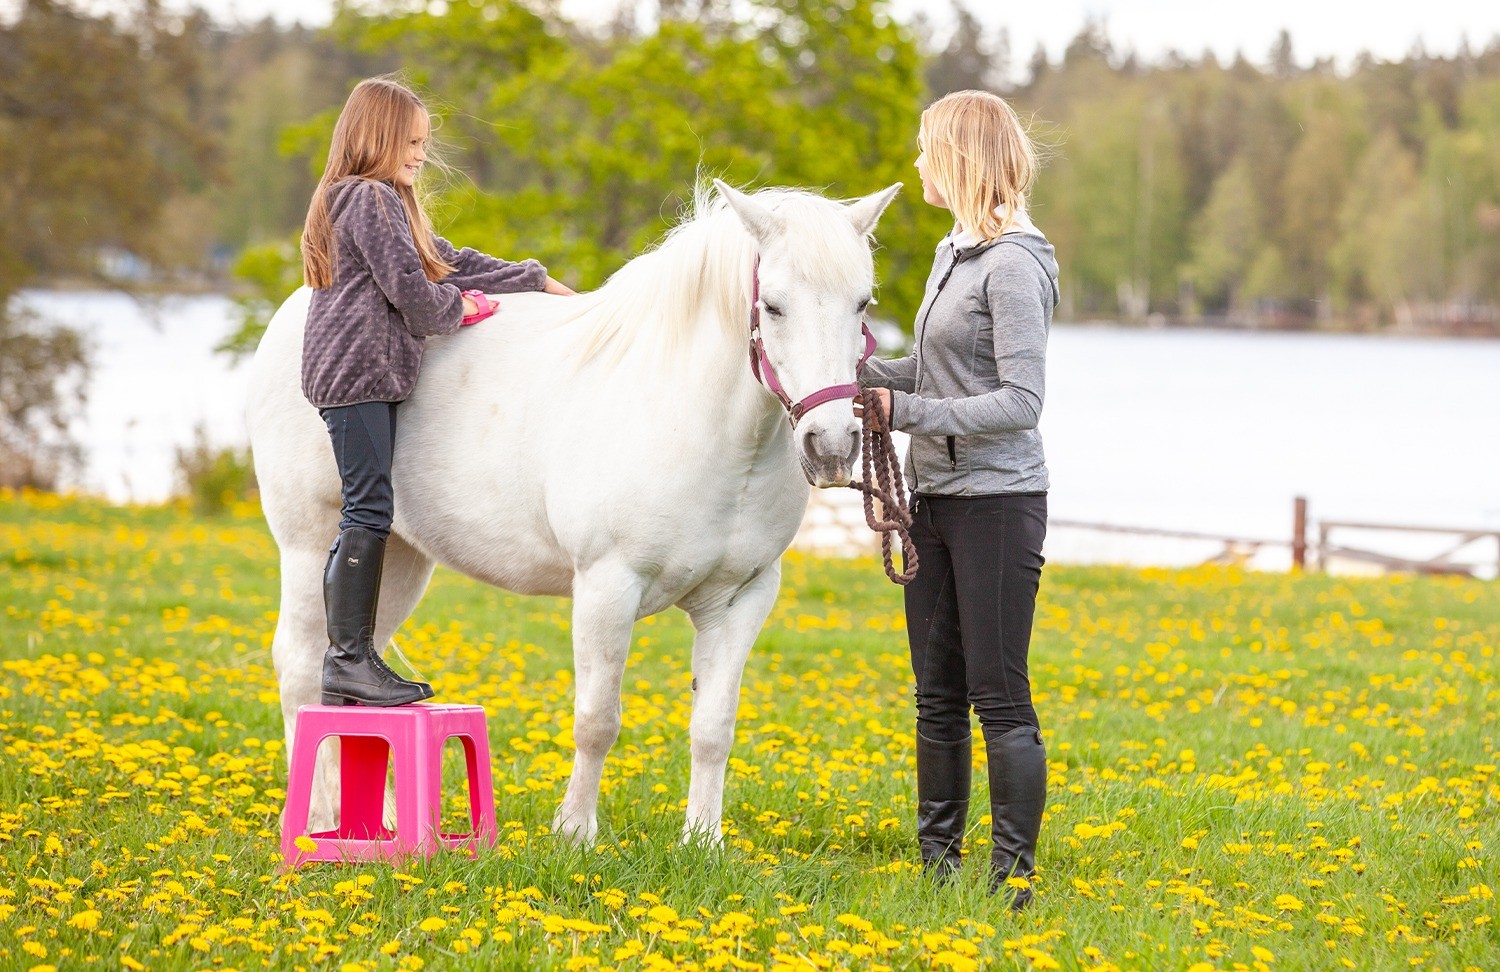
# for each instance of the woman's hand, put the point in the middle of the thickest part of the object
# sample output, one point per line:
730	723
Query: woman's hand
561	289
883	395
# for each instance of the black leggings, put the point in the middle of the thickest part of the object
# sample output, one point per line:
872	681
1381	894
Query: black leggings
969	610
364	444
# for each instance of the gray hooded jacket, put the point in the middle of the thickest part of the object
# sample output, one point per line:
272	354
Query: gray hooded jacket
970	393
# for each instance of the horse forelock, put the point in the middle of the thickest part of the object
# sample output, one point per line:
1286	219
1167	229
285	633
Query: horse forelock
705	262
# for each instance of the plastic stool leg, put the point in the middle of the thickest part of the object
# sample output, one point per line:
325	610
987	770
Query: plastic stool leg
362	771
481	790
299	791
418	795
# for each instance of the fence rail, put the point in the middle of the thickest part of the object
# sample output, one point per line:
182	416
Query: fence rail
1324	549
1440	563
835	525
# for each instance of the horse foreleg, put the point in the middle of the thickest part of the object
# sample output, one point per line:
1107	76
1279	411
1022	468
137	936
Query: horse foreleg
726	631
605	603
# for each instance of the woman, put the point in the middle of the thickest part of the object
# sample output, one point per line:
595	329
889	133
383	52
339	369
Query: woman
970	396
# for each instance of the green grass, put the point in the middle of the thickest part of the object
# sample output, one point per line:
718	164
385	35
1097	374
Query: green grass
1247	771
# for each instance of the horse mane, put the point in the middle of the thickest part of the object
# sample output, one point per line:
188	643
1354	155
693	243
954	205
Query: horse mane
704	263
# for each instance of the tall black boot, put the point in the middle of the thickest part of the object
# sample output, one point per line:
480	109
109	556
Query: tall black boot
1018	793
944	773
353	671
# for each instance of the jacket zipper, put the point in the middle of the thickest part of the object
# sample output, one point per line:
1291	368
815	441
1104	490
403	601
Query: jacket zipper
952	455
921	338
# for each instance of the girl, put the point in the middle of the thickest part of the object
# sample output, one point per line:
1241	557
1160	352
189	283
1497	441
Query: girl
970	395
383	282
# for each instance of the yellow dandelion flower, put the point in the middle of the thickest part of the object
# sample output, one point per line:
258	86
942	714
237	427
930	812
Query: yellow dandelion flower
87	920
433	924
662	913
306	844
1040	959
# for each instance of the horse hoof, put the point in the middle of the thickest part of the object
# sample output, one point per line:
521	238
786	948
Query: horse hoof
576	831
699	837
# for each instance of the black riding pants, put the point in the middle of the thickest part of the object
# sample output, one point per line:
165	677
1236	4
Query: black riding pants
969	610
364	440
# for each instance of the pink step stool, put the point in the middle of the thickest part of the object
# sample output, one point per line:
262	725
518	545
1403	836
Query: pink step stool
367	736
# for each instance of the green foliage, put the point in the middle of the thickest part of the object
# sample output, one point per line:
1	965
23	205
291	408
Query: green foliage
1296	194
267	273
213	477
96	131
1291	195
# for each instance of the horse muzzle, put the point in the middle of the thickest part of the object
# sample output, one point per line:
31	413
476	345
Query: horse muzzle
828	455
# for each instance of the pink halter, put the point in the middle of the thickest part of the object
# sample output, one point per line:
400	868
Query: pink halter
760	365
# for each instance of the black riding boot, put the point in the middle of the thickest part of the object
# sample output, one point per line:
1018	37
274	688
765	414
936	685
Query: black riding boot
1018	792
944	771
353	671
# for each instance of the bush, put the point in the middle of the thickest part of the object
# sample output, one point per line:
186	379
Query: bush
213	477
43	377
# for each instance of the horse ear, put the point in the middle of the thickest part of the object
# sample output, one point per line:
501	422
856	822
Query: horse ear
760	221
865	213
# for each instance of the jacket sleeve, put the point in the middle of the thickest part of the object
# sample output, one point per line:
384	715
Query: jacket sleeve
899	374
480	271
378	230
1019	305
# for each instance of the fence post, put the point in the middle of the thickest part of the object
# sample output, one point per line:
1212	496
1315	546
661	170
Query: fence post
1299	533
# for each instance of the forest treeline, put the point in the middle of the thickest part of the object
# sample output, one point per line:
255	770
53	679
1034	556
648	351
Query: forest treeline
1261	192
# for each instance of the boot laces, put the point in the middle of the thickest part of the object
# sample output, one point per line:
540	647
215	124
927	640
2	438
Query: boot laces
382	666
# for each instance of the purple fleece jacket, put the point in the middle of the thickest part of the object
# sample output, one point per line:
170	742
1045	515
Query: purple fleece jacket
365	332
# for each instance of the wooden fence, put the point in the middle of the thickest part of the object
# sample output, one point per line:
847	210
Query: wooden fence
1327	552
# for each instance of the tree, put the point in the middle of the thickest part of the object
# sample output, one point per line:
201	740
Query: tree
1225	239
96	130
43	377
969	60
1317	174
97	136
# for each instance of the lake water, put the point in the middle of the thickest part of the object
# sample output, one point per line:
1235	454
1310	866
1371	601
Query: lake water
1211	431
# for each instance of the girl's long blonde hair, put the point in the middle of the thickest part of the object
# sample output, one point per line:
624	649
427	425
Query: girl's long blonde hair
369	142
980	157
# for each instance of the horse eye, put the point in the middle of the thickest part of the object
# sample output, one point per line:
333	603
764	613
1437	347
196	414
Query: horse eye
773	310
863	304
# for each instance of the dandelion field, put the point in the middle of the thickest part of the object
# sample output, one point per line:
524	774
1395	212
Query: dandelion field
1248	771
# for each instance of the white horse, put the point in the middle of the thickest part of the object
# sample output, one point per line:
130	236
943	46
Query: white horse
614	447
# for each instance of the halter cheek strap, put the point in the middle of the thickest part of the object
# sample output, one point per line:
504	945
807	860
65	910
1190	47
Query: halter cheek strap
761	367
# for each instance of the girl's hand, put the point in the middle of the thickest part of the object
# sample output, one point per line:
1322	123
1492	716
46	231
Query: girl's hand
884	396
470	308
561	289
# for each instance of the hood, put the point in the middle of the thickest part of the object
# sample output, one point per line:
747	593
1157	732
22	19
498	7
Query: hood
1023	233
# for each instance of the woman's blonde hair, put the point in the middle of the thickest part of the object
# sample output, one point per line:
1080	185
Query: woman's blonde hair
980	157
369	142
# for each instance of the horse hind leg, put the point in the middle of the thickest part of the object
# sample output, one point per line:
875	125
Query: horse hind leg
405	575
301	640
605	604
726	628
297	650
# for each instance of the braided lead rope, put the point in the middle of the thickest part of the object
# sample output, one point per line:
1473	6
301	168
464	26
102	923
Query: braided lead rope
882	465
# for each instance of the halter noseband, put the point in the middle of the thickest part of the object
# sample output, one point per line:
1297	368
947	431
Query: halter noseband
760	365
